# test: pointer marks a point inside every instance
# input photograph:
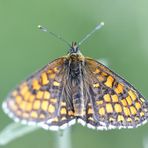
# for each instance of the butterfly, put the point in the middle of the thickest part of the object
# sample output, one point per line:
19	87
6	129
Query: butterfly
75	88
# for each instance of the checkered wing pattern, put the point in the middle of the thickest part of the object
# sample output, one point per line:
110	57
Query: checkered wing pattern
41	98
112	101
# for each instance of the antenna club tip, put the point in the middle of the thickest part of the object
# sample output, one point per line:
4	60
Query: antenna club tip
39	26
102	23
42	28
99	26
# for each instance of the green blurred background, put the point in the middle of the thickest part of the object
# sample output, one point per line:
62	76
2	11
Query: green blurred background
122	42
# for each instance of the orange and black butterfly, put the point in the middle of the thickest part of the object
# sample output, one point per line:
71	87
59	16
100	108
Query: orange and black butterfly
74	88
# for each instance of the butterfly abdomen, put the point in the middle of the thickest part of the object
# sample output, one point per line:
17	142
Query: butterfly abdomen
75	66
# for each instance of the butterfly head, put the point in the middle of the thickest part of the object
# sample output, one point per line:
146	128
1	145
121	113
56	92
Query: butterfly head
74	49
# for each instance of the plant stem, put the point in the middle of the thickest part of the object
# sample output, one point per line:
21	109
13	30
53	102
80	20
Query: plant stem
14	131
63	139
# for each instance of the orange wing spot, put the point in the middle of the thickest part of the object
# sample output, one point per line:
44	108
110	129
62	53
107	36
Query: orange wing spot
109	81
55	119
104	74
63	118
23	85
18	99
44	78
99	102
126	111
52	76
137	119
138	105
55	69
49	71
91	119
114	98
90	111
14	93
70	113
36	85
46	95
119	88
129	119
100	78
96	85
142	99
141	114
132	94
31	98
111	119
27	95
25	115
96	71
129	100
42	116
51	108
107	98
63	103
63	111
24	90
36	105
109	108
133	110
44	105
22	105
124	102
102	111
55	83
19	113
13	105
118	108
34	114
39	94
53	100
120	118
28	107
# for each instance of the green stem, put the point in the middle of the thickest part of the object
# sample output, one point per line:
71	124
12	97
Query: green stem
63	139
14	131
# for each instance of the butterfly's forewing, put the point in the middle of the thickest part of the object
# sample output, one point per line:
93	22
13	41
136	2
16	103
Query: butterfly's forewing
114	103
41	98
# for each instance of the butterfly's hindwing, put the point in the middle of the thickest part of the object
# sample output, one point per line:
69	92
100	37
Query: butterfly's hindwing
116	103
41	98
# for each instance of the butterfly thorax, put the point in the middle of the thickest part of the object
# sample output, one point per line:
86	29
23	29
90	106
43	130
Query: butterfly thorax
75	63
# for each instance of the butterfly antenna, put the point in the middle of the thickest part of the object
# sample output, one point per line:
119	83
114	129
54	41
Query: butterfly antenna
53	34
91	33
